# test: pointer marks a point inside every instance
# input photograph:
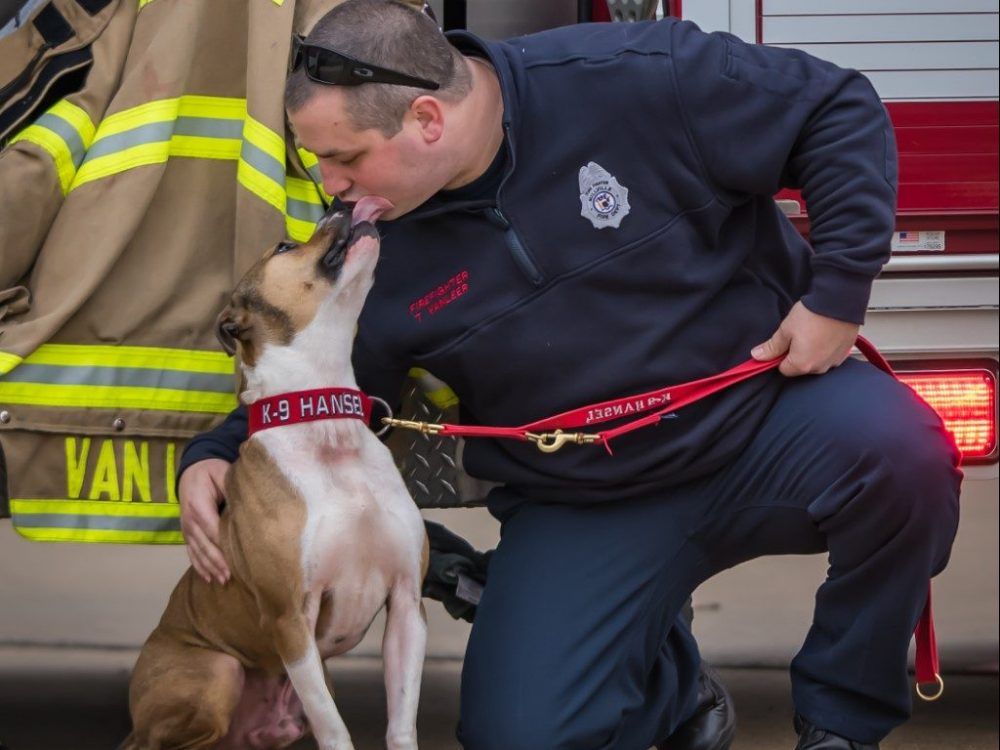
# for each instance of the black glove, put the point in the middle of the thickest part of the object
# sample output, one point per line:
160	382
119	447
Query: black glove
456	572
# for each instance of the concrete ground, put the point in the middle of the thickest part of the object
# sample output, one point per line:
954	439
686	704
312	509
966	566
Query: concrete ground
73	699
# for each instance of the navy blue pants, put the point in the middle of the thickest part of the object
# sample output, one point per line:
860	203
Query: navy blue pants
577	642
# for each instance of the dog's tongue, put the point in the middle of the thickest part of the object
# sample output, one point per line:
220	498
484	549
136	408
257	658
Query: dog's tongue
369	208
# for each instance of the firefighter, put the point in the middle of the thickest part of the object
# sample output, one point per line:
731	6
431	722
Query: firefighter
604	195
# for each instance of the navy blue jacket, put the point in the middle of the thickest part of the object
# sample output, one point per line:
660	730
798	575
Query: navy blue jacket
533	301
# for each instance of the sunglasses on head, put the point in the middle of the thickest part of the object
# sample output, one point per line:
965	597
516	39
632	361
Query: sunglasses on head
328	66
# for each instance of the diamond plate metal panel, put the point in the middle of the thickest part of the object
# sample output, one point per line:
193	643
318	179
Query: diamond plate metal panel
430	464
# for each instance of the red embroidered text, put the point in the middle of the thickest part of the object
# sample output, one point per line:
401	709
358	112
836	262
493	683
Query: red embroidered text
440	296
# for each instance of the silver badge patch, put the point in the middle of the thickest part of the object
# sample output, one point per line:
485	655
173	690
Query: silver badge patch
603	199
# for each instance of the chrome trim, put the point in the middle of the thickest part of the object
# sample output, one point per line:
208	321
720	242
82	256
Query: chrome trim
965	262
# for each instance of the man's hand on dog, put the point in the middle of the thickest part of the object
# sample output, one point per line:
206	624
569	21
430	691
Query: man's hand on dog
201	492
815	343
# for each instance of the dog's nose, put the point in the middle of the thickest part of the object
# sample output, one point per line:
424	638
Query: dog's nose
334	218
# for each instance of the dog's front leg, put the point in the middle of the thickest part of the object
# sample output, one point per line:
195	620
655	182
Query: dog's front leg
403	648
296	645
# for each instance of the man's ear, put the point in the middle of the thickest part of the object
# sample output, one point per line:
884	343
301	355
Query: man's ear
231	326
428	113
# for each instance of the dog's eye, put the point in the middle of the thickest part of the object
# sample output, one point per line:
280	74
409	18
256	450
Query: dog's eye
284	247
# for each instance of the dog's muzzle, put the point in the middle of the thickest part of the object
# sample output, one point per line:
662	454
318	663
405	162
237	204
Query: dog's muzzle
351	227
346	236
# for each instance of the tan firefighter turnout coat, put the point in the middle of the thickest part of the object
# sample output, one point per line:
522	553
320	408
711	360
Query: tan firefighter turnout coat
145	165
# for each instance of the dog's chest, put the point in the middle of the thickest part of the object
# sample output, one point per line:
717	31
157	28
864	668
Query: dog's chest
362	536
354	552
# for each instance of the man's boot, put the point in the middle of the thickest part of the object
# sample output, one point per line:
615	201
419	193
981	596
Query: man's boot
814	738
713	724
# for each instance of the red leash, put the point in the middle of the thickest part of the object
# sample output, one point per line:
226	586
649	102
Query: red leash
550	434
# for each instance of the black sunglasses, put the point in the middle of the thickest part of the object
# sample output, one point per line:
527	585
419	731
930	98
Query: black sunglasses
328	66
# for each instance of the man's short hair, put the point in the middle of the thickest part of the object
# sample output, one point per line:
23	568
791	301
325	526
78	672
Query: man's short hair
391	35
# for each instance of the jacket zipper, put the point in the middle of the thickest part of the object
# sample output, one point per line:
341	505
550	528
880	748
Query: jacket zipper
19	112
25	73
516	247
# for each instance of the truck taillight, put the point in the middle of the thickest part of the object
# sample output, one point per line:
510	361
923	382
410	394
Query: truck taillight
966	402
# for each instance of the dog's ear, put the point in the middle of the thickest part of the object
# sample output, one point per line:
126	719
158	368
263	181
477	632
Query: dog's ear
230	326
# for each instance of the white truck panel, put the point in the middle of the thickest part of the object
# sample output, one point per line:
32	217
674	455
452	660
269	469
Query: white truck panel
931	27
907	55
935	84
867	7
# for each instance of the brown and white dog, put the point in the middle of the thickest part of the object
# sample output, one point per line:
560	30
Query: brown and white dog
319	532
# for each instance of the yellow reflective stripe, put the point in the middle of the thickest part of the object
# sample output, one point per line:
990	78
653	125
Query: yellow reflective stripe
303	190
308	157
116	397
77	117
154	523
200	147
156	153
164	110
188	380
164	113
156	358
311	163
101	536
299	230
8	362
265	139
195	127
55	147
251	171
144	3
214	107
261	185
65	132
95	508
139	156
160	110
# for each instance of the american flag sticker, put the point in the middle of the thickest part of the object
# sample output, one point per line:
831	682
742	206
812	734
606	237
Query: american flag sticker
910	241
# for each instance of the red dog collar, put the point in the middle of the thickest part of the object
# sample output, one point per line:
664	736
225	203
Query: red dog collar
309	406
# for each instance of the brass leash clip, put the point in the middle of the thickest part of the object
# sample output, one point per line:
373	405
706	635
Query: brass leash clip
425	428
550	442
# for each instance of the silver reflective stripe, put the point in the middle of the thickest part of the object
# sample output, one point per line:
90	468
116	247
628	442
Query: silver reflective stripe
67	132
156	132
263	162
304	211
208	127
116	523
121	376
